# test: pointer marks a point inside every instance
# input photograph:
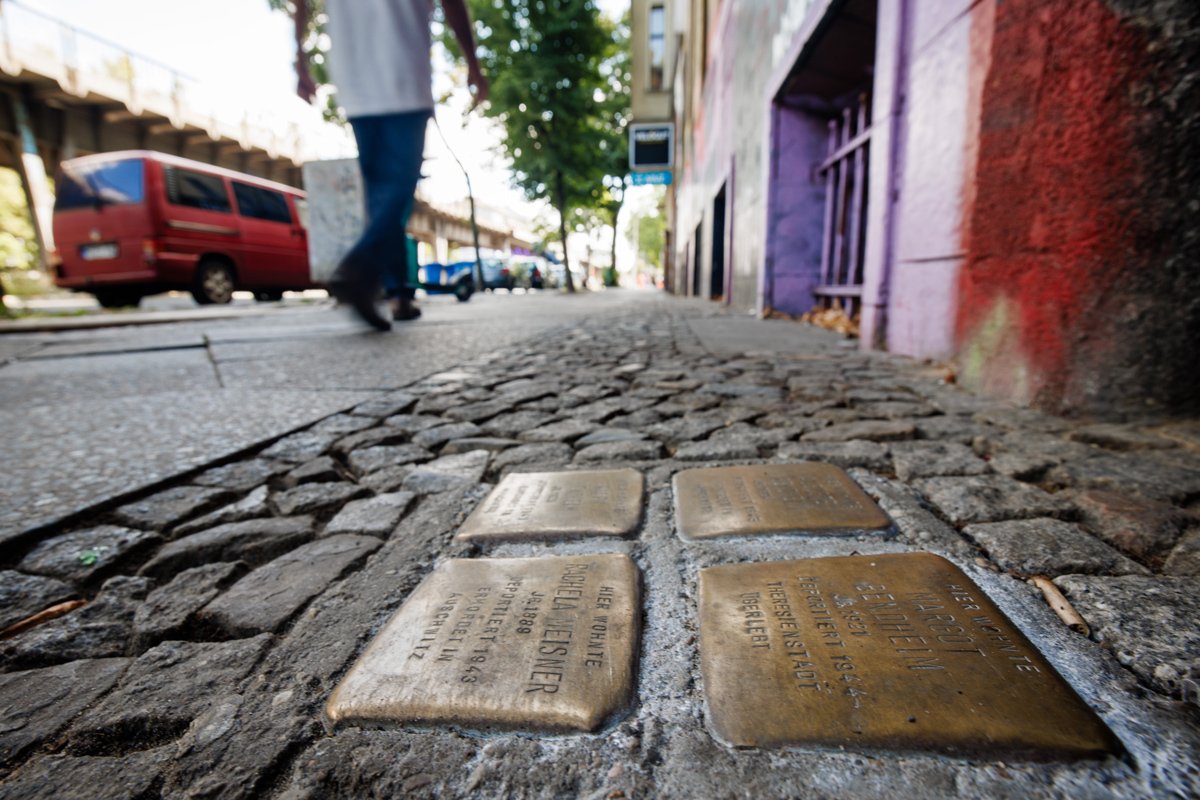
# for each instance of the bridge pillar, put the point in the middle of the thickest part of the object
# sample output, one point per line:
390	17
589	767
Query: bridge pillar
32	171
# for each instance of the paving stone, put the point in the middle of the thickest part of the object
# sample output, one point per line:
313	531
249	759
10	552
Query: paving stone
269	596
512	425
252	506
313	498
557	453
740	390
373	516
566	430
601	410
37	705
637	450
636	420
857	453
253	541
605	435
686	403
837	416
342	424
870	430
1145	529
1149	623
22	596
860	397
1125	473
715	451
743	433
388	479
371	437
1021	466
100	629
241	476
300	447
373	459
678	431
1185	558
413	423
1024	420
680	385
479	412
590	392
1119	437
950	428
438	403
83	557
389	405
927	459
162	691
895	410
524	390
990	498
492	444
1046	546
448	472
320	470
433	437
548	405
54	777
168	610
915	523
172	506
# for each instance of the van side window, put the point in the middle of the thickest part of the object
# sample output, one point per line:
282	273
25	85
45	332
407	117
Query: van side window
196	190
259	203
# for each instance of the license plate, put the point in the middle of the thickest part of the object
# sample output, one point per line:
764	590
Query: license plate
98	252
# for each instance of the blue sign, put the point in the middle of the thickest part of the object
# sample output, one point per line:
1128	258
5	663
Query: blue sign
661	178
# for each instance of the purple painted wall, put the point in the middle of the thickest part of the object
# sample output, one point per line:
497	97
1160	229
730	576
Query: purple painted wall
795	211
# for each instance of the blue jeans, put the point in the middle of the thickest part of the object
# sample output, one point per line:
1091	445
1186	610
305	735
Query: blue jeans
390	148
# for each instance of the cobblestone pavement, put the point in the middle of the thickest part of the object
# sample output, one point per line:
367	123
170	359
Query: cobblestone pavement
221	611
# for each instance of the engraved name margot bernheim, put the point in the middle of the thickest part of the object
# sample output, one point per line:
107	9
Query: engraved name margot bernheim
896	652
544	644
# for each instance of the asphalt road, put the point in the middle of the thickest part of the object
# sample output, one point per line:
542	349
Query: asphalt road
93	415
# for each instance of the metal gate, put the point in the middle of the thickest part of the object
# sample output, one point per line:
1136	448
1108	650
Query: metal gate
845	171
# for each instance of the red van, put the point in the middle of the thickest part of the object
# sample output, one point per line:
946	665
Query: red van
135	223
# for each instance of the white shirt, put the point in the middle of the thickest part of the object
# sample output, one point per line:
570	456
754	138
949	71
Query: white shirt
379	57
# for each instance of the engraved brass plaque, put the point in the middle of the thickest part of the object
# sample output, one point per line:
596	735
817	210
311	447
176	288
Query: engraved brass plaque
895	652
543	644
768	499
558	505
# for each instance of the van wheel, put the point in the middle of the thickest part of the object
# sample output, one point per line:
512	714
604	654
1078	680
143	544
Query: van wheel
214	283
117	298
463	291
272	296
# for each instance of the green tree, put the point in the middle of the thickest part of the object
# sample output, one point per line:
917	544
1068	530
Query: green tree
316	45
647	230
544	58
18	245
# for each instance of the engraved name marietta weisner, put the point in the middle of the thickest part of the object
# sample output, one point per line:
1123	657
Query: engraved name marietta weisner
893	652
558	505
540	644
765	499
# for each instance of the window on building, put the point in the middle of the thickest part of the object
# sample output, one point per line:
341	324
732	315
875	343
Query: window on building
658	46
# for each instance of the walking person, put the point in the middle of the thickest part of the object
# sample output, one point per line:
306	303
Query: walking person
379	60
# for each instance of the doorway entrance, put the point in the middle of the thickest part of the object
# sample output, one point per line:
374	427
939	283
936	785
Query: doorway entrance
716	282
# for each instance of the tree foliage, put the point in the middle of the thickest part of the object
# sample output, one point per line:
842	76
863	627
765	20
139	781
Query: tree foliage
545	60
316	46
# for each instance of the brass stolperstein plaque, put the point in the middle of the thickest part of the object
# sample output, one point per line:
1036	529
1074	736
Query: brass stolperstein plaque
544	644
541	505
895	652
768	499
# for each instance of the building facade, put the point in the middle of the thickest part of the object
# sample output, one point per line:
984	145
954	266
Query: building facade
1000	184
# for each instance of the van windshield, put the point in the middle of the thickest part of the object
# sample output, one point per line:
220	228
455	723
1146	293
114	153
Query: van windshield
105	183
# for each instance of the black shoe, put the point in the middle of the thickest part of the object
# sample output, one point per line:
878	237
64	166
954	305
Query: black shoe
405	310
359	293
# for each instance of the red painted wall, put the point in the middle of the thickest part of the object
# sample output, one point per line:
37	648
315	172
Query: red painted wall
1054	225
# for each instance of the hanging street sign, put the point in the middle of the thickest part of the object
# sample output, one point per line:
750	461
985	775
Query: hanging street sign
651	146
656	178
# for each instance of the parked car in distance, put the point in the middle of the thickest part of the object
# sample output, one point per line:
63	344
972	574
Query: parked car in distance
136	222
457	279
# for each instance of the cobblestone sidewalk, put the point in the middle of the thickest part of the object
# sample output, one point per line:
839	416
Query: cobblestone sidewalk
218	614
